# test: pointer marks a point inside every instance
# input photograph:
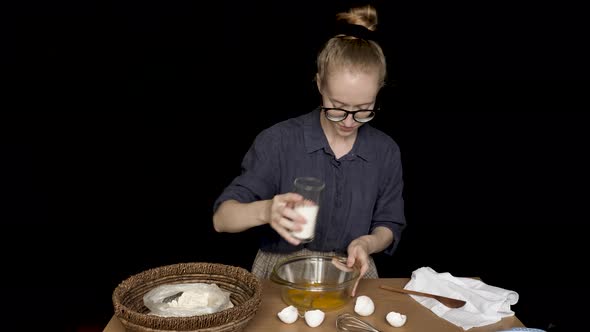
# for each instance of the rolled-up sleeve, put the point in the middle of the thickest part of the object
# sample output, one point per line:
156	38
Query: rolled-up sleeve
259	174
389	207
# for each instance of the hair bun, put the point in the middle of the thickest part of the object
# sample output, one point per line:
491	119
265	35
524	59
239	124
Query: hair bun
365	16
354	30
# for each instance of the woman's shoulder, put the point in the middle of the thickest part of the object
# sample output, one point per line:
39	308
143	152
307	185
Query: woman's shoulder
380	138
291	124
284	128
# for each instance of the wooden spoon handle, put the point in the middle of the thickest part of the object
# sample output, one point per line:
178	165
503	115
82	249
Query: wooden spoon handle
449	302
407	291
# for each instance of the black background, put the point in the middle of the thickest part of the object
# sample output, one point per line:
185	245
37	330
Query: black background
123	121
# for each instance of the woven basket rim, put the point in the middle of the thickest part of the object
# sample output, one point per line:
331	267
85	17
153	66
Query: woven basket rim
243	311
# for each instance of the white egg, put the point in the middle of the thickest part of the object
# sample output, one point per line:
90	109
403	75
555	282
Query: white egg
288	315
364	306
395	319
314	318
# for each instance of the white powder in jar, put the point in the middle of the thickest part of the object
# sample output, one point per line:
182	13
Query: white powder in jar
310	213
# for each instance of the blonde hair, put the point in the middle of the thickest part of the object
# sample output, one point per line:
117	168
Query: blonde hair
353	53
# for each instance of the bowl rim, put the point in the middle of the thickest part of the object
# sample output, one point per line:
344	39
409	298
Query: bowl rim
274	277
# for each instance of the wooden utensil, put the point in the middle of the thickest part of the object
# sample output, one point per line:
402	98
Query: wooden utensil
449	302
340	263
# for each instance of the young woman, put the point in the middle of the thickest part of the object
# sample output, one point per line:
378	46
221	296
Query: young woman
362	209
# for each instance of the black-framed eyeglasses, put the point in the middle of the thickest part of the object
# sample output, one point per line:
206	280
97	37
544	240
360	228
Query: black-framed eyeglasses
336	114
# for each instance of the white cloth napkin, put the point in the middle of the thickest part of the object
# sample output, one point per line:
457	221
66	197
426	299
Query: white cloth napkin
485	304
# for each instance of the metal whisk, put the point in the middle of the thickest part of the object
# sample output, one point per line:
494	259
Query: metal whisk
350	323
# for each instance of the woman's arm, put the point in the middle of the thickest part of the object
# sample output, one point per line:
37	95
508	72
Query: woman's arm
377	241
233	216
360	249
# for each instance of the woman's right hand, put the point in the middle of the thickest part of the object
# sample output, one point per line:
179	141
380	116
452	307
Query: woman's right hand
283	219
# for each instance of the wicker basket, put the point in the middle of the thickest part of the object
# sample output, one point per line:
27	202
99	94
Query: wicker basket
245	293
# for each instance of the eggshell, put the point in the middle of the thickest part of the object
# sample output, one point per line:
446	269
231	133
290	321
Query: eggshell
288	315
314	318
364	306
396	319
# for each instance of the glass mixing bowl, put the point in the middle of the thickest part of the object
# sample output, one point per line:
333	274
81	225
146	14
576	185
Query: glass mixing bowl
315	282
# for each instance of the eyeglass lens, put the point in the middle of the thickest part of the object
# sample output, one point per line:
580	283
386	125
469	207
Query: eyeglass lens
335	114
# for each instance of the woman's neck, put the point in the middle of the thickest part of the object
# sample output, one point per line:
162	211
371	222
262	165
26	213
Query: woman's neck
340	145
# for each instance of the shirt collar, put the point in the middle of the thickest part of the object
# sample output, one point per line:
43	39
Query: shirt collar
315	138
313	133
361	147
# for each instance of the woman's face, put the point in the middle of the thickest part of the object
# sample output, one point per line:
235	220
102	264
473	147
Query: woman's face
351	91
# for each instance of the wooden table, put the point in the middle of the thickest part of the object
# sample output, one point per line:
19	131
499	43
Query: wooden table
420	319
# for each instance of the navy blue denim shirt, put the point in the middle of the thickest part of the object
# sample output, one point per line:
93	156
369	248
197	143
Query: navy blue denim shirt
363	188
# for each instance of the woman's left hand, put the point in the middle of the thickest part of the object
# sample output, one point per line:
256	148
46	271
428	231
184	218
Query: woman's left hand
358	254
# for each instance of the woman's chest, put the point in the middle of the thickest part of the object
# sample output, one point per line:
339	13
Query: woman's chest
346	179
